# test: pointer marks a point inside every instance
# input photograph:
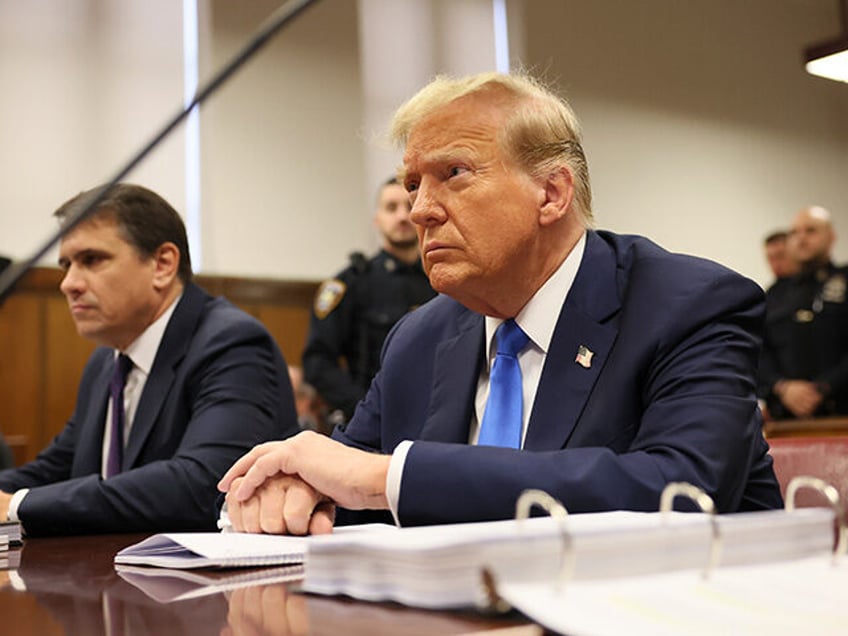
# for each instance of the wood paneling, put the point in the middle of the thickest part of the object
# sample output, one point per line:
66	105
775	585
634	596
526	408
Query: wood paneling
816	427
21	352
42	356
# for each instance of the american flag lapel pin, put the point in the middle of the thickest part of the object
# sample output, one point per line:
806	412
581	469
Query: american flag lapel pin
584	356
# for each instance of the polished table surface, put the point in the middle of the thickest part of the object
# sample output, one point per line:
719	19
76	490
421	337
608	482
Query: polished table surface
69	586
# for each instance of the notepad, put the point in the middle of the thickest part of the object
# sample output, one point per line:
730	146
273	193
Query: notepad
208	549
189	550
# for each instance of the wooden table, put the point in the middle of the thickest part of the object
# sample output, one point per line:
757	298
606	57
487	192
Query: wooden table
69	586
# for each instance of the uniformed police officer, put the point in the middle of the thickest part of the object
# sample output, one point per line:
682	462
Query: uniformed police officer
353	313
804	366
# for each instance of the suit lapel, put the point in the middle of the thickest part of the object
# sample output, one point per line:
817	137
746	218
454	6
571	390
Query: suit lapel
172	349
455	373
584	321
88	456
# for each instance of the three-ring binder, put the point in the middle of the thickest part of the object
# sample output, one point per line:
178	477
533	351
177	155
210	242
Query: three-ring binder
717	542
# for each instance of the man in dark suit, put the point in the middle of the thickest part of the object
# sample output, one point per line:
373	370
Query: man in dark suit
638	368
204	383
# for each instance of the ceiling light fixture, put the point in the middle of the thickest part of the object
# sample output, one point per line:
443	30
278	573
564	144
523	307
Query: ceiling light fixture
830	59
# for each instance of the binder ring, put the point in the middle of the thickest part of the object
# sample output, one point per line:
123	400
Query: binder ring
705	503
534	497
526	500
832	495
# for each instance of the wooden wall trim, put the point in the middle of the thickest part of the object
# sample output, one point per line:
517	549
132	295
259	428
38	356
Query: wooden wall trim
237	289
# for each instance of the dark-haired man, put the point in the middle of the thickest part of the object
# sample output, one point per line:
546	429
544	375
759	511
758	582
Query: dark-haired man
181	385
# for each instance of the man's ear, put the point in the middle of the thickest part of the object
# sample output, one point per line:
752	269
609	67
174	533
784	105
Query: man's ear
166	262
559	193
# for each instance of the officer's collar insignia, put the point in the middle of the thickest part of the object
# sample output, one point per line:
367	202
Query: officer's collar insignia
328	297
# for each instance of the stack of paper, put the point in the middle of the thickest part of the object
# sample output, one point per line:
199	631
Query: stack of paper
441	566
11	530
799	596
10	535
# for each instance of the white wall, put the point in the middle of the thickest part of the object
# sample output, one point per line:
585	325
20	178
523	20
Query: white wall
282	162
82	85
701	127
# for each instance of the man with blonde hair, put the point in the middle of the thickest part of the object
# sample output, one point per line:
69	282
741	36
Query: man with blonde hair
804	366
594	366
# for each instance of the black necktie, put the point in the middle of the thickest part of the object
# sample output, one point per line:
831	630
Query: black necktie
115	456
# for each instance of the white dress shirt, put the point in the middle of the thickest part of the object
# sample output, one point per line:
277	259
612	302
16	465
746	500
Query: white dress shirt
142	352
538	319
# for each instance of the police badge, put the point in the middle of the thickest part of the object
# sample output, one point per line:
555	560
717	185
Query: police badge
833	290
328	296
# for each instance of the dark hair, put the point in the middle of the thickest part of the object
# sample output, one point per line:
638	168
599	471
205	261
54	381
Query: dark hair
145	220
775	237
385	184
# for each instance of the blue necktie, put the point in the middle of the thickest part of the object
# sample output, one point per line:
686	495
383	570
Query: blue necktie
501	424
115	456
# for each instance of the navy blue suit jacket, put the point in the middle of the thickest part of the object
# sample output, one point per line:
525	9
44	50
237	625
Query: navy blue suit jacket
217	387
669	395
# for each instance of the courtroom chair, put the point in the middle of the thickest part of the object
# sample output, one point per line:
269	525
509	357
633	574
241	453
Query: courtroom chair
825	457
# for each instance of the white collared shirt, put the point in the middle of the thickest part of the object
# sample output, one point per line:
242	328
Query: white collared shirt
142	352
538	319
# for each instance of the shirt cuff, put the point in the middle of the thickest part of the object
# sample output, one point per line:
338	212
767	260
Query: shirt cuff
224	523
393	477
15	502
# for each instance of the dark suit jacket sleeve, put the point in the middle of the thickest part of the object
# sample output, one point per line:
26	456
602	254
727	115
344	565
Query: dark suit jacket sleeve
674	402
223	388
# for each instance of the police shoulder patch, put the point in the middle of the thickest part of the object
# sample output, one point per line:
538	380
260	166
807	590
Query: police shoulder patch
328	297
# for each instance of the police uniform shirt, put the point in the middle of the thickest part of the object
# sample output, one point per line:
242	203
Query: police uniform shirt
806	337
352	315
